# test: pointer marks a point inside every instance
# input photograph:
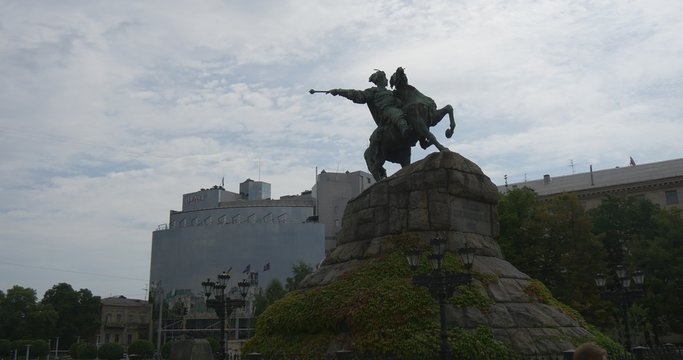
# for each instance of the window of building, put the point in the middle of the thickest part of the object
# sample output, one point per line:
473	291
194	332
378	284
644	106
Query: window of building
118	318
116	338
130	339
107	338
671	197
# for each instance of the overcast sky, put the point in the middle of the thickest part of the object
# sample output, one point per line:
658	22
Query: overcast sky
111	110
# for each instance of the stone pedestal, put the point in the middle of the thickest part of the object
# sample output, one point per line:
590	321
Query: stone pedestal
446	193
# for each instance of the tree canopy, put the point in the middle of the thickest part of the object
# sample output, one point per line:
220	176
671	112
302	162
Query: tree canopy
62	312
555	241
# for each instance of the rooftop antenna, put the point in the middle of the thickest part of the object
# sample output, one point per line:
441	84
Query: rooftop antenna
571	165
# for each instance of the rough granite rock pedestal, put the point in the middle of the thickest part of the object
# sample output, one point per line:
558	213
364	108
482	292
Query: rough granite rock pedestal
447	193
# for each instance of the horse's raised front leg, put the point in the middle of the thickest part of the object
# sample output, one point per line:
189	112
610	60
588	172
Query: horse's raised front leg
440	113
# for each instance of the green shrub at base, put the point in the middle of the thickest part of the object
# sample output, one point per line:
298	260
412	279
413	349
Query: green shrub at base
144	348
5	347
39	348
110	351
85	351
166	349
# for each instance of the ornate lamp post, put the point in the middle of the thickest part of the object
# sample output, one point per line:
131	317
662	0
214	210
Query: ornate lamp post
220	303
441	284
625	294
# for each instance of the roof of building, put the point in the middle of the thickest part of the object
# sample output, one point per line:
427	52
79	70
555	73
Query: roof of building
122	301
603	178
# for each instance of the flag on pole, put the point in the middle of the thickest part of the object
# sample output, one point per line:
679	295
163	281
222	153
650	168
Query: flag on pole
266	267
247	269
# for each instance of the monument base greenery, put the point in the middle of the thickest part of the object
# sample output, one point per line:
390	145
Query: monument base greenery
375	309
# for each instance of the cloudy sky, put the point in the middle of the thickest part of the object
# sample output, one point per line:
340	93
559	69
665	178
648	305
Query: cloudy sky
111	110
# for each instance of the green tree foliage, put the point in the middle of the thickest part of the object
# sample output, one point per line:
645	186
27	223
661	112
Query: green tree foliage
39	348
552	241
274	291
36	348
83	350
79	312
621	221
42	321
166	349
299	272
5	347
144	348
659	253
15	309
110	351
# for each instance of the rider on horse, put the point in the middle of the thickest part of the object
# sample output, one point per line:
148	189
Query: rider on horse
384	106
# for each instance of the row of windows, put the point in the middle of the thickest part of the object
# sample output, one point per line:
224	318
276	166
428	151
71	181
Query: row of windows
119	318
225	219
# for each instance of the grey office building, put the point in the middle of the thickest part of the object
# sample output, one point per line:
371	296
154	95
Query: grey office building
218	229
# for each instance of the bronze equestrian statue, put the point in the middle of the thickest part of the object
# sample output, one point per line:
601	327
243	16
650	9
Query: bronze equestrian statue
403	118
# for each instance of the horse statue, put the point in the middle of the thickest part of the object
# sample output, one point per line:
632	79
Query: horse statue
421	113
403	118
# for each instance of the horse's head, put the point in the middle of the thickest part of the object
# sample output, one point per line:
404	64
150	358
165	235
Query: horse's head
399	78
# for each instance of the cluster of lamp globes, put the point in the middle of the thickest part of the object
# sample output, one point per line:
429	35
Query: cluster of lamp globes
438	247
623	276
217	288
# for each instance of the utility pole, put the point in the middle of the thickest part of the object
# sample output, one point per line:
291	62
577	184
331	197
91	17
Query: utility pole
160	292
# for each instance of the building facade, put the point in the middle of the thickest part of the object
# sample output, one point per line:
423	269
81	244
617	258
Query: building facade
332	191
124	321
659	182
248	234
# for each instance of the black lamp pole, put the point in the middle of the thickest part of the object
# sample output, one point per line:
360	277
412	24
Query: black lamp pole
441	284
625	293
221	304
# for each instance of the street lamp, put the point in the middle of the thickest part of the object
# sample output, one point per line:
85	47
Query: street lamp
441	284
626	294
220	303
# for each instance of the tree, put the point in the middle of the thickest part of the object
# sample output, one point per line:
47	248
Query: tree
620	221
79	312
274	291
551	240
15	309
84	350
299	272
144	348
42	321
661	258
40	348
110	351
4	347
